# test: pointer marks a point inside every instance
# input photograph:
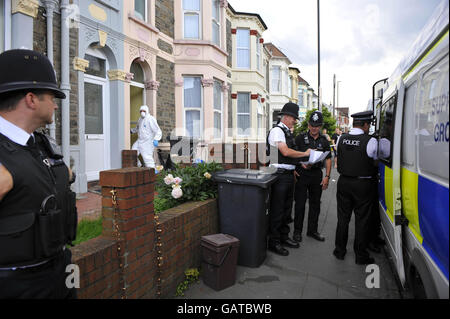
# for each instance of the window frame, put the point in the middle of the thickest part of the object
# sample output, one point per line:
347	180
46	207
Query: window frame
192	12
241	114
248	66
199	109
217	22
260	116
278	90
146	15
258	54
392	101
215	110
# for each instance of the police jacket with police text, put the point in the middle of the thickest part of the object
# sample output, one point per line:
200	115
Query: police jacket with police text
352	156
38	215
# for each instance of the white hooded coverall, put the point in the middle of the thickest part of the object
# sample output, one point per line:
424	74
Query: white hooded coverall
148	130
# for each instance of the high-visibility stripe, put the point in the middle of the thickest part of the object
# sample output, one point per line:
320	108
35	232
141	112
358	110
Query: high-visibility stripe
388	189
410	186
425	56
433	205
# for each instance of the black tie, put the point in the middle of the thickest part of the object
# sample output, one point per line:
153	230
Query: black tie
31	142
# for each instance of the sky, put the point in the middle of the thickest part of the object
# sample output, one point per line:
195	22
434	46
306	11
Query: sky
361	41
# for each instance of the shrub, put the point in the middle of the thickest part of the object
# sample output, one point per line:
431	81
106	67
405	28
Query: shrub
184	184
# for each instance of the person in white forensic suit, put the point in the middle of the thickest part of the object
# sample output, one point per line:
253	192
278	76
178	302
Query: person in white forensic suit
149	134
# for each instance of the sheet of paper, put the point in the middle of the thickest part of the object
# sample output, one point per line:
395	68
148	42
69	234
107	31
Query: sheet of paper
316	156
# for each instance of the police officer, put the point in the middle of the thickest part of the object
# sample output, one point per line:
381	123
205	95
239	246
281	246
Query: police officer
37	208
356	152
311	182
283	158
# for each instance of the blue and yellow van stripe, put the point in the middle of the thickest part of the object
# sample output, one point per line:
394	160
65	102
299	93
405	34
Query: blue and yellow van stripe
426	206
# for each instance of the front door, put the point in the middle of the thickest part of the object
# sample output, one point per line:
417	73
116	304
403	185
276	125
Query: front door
95	107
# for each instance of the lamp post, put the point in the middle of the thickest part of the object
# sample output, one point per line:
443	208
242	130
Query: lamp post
337	89
318	56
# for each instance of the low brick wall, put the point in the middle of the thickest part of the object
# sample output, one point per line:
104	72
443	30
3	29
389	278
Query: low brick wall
182	229
122	263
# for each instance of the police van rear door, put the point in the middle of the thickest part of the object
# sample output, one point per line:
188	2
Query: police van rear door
389	182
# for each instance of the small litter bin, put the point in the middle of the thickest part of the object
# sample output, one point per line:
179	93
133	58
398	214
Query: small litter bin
244	202
220	253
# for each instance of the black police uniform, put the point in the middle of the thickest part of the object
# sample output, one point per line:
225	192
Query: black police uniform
282	191
354	192
308	184
38	215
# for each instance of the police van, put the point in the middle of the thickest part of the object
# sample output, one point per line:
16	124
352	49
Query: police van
413	132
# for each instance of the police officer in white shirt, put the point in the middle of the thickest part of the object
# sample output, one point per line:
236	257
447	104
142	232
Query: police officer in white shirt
284	157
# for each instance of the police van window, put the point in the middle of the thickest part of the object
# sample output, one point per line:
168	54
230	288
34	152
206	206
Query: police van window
433	128
409	124
387	121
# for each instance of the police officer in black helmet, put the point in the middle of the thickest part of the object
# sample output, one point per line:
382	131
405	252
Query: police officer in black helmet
37	208
283	157
356	153
311	181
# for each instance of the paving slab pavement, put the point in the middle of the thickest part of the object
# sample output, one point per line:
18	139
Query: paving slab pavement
310	272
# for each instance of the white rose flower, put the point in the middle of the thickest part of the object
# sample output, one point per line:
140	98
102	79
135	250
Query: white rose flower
207	175
177	192
168	179
159	168
177	180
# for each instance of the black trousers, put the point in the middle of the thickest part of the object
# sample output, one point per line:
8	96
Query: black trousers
307	187
47	281
354	194
282	197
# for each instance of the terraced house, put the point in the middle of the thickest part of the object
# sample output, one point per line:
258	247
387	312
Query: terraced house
201	66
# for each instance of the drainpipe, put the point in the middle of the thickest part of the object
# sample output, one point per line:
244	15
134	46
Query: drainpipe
50	6
65	81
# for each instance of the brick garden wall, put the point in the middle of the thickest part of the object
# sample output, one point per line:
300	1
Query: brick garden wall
126	265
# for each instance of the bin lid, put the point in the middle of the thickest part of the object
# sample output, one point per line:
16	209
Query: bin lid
245	177
220	240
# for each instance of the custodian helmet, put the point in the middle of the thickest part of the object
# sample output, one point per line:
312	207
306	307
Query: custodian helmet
26	69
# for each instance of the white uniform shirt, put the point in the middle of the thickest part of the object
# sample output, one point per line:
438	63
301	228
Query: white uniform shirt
277	135
13	132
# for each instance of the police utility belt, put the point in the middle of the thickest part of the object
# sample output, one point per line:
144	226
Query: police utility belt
34	238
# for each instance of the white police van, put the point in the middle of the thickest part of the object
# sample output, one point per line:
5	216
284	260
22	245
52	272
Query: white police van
413	133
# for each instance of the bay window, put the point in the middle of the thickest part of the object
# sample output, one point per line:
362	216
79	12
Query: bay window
243	48
192	106
216	22
276	79
243	114
218	107
192	12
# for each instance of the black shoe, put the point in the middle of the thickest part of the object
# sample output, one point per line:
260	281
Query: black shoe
338	255
364	260
290	243
278	249
297	237
316	236
373	247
